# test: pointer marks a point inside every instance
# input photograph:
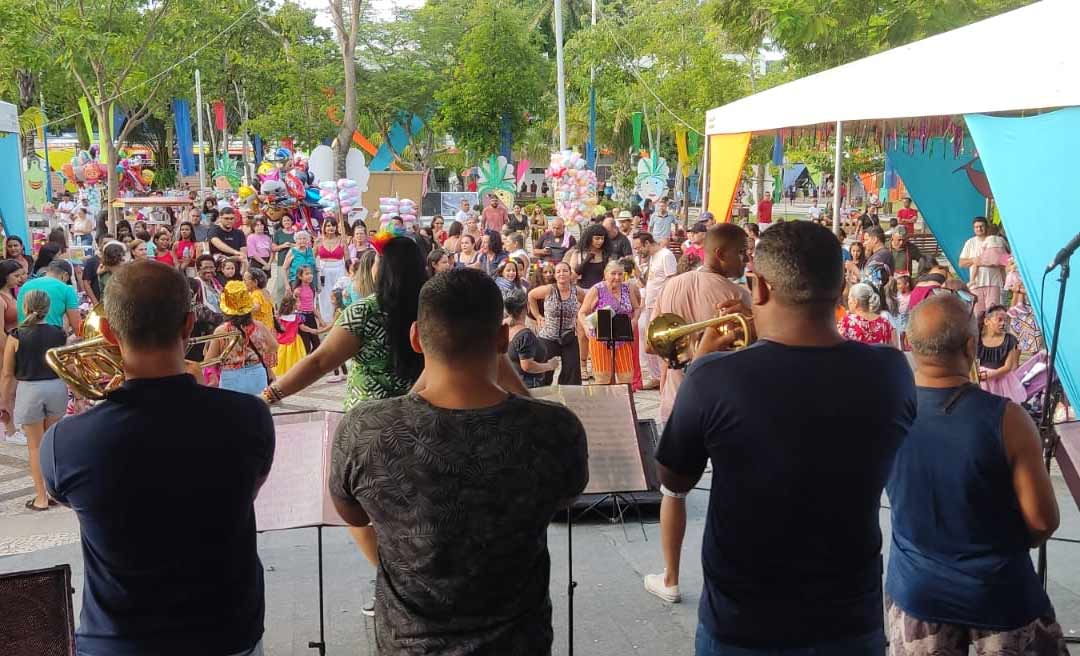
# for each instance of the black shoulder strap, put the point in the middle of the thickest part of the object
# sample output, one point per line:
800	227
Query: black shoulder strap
955	397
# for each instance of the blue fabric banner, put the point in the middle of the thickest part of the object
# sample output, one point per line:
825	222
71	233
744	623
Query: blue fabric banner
184	140
257	146
946	189
890	173
777	150
1029	162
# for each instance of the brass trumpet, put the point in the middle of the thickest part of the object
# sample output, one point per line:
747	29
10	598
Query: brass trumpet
669	335
93	367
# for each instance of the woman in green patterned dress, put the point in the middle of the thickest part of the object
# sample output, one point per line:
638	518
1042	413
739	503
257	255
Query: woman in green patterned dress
374	333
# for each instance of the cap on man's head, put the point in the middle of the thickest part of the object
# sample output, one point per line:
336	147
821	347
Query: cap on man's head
698	227
625	215
707	216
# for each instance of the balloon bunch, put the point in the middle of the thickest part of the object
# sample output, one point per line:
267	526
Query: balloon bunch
286	185
574	186
129	170
84	169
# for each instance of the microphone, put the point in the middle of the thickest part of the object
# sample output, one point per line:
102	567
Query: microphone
1065	253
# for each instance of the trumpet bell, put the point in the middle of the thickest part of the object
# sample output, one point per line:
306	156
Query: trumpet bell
670	336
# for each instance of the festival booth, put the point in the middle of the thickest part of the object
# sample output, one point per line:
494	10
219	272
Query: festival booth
12	203
943	141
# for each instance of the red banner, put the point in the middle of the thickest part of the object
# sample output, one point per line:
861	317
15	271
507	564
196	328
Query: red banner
219	115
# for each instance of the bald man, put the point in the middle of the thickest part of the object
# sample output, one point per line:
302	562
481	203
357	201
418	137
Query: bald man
970	496
554	243
618	244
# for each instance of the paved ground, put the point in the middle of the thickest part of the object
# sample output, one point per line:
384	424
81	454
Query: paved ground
612	613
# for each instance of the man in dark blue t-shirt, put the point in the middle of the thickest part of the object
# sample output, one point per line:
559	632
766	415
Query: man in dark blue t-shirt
163	476
802	429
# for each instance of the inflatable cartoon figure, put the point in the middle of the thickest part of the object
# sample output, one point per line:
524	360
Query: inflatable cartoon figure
652	176
497	177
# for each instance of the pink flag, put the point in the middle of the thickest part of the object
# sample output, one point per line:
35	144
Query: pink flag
522	169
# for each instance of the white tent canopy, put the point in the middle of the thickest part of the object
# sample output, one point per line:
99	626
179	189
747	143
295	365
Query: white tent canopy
1024	59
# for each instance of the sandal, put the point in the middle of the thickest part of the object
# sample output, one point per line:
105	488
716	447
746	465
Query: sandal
30	505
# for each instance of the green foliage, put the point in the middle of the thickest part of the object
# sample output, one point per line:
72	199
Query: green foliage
499	73
283	66
820	34
674	53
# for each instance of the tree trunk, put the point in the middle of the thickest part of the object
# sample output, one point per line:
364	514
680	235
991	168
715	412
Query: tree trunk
348	118
759	182
110	157
166	151
27	83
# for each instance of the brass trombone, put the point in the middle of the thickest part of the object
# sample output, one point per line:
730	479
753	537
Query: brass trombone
93	367
669	335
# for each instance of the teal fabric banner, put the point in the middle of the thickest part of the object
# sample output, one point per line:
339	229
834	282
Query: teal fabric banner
1030	163
945	188
12	203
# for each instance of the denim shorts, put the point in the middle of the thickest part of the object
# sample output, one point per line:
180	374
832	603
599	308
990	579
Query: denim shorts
249	380
37	399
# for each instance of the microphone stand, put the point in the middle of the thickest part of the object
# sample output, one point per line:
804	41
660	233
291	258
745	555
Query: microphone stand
1050	396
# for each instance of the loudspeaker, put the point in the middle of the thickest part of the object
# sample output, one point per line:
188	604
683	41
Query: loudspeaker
36	618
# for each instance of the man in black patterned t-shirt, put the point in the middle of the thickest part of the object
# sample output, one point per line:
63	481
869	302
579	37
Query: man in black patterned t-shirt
460	479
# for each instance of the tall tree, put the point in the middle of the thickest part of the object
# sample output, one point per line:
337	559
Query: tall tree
346	20
500	75
115	52
820	34
652	54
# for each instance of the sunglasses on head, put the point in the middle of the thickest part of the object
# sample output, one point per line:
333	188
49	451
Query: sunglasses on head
967	297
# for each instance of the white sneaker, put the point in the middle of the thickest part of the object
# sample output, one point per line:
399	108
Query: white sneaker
654	583
16	438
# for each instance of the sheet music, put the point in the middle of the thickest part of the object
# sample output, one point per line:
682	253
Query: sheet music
607	413
295	494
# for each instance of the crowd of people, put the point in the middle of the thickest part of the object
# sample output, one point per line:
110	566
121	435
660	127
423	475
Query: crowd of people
442	330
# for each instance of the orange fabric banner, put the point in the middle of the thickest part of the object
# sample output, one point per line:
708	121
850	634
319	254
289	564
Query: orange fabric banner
727	155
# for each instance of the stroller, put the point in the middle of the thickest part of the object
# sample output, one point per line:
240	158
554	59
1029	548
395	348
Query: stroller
1032	375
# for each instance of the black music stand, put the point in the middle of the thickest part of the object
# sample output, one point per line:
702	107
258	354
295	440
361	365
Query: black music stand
611	329
306	507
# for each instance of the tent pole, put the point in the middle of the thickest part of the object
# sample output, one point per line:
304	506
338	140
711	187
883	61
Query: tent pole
836	177
705	183
560	74
199	110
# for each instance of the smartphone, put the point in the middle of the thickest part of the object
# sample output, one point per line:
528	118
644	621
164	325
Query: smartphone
750	279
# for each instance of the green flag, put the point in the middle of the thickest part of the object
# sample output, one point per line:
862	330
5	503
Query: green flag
636	122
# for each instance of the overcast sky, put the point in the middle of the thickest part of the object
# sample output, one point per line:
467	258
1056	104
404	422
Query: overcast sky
384	8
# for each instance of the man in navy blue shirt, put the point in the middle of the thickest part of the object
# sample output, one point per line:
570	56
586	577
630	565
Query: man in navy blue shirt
163	476
802	428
